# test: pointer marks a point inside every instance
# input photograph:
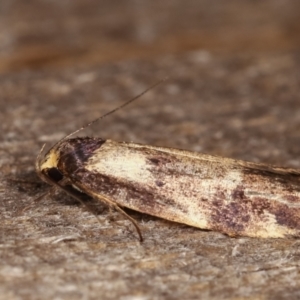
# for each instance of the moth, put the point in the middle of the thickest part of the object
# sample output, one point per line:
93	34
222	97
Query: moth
230	196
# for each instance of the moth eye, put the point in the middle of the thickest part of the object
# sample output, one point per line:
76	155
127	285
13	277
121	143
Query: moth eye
54	174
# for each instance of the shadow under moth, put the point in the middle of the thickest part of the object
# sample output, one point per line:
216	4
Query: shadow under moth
234	197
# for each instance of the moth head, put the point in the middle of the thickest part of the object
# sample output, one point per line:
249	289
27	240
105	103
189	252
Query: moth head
65	157
47	166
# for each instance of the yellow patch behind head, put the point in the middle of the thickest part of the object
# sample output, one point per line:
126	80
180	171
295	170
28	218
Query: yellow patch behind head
50	160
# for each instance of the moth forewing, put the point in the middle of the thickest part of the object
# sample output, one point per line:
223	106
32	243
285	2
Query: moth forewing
234	197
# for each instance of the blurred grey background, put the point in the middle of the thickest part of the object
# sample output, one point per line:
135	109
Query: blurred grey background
43	33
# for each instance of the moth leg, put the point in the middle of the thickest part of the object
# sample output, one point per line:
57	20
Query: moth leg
133	221
61	185
101	198
112	204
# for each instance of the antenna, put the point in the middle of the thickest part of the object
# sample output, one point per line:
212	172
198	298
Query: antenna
112	111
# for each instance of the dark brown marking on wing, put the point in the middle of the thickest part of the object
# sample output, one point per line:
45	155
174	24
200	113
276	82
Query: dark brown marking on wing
231	218
159	160
75	152
235	217
169	164
140	198
286	217
291	198
159	183
259	205
289	181
238	193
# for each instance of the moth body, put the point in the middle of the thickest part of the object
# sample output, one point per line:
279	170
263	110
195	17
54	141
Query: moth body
233	197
